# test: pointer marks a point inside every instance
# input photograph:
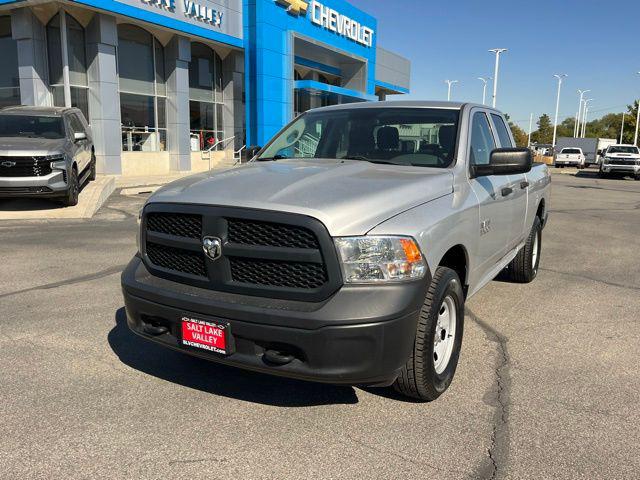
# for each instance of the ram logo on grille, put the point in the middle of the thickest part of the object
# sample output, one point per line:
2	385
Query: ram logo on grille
212	247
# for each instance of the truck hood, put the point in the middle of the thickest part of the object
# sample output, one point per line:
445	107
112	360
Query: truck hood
349	197
19	146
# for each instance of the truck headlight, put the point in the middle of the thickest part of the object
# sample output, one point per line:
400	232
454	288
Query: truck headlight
57	162
138	232
380	259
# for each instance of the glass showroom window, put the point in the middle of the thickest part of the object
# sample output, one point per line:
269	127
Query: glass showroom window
9	79
143	90
74	55
205	98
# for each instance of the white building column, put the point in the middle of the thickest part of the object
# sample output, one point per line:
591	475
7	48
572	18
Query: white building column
104	98
29	34
178	56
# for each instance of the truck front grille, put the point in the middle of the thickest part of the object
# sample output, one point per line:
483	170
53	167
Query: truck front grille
170	258
11	166
246	232
278	274
188	226
621	161
268	254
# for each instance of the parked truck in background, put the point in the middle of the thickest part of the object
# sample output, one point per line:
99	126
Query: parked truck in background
591	147
348	261
570	157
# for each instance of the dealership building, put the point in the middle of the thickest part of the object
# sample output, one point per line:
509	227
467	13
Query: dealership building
180	85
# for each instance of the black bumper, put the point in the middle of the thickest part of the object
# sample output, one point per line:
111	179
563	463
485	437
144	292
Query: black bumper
362	335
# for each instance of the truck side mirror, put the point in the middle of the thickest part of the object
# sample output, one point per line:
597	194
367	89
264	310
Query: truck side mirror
79	136
505	161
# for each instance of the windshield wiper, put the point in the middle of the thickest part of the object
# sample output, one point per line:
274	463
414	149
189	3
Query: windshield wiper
365	159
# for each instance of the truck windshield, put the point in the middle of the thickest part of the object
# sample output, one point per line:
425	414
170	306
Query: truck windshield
572	151
31	126
424	137
623	149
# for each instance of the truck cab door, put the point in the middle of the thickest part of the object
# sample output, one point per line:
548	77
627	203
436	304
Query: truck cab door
517	186
494	216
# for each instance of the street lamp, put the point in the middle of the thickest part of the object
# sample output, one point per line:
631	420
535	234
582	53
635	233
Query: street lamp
484	88
530	126
584	116
576	128
449	83
635	139
497	51
560	77
622	127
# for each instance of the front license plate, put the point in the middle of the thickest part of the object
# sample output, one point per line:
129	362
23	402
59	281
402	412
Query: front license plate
203	335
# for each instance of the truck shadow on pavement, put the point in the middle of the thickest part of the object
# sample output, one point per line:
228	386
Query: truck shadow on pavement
182	369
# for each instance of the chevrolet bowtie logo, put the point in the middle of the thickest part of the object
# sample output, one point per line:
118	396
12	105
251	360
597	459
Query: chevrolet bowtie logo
295	7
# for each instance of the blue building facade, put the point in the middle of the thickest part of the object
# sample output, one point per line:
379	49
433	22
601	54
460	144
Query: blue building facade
174	85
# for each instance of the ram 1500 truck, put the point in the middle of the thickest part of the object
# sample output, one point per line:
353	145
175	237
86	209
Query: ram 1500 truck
345	251
621	159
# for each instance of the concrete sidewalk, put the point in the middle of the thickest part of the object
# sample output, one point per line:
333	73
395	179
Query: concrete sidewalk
92	197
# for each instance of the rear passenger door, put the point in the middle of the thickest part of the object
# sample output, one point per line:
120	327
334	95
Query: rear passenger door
82	148
494	209
518	184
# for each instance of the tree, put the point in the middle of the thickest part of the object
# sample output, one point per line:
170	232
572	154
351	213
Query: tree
544	134
519	135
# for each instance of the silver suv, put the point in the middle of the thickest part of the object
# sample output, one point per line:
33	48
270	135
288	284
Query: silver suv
45	152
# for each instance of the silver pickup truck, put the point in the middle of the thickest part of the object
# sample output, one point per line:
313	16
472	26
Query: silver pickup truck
345	251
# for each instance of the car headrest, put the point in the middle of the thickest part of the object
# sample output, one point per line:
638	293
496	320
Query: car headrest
447	137
388	138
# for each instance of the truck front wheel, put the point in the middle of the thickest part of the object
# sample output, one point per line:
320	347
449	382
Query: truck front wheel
524	267
433	361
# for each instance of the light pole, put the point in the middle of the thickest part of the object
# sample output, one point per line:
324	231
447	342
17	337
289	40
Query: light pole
484	88
635	138
497	51
560	77
622	127
530	126
449	83
584	116
576	128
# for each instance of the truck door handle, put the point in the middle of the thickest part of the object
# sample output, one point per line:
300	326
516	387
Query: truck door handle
506	191
524	185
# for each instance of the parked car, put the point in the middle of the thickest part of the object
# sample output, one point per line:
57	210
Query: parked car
621	159
45	152
570	157
349	263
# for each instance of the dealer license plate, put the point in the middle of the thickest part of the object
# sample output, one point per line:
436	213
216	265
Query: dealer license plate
203	335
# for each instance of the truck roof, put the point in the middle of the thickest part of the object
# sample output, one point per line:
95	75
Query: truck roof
404	104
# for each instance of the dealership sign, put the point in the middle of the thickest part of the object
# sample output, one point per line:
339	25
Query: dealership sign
191	9
332	20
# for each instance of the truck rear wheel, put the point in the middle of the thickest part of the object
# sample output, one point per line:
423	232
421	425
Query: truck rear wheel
524	267
433	361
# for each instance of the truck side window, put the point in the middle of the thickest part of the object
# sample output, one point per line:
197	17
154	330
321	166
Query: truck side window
482	142
501	130
75	124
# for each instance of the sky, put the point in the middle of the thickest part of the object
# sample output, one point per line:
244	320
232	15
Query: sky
595	43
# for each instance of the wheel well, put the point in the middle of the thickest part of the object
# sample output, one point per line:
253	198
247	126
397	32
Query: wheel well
540	212
456	260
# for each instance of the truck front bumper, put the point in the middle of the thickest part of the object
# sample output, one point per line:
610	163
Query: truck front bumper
362	335
52	185
630	169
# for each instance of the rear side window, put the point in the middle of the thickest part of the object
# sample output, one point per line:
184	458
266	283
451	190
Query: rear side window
75	124
501	130
482	142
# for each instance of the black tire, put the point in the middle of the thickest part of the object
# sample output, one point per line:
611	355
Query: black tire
523	268
418	378
637	177
92	168
73	189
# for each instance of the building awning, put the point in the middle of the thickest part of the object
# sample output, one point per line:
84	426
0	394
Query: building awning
343	95
389	89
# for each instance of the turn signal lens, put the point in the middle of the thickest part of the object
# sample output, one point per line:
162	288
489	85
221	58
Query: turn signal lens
380	259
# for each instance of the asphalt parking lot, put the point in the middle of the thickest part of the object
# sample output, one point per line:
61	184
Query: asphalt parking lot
548	385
